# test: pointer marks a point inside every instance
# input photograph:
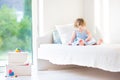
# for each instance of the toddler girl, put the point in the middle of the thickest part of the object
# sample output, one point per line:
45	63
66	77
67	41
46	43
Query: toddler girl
82	35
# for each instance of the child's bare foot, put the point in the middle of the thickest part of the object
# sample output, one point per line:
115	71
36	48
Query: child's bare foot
99	42
81	42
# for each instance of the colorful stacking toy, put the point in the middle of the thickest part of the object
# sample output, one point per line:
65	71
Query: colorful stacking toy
17	50
11	73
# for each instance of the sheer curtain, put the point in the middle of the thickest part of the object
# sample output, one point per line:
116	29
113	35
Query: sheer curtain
101	22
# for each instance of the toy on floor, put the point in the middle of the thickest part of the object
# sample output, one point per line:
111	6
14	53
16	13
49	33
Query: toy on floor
11	74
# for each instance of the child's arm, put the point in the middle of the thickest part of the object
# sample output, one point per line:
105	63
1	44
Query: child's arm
89	35
72	38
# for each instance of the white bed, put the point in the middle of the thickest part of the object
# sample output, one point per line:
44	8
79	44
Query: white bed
106	57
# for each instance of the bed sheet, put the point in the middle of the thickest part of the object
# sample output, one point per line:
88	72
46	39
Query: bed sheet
106	57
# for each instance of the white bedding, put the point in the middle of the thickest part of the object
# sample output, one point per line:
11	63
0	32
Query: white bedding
106	57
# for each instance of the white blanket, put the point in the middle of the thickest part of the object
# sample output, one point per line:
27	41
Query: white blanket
106	57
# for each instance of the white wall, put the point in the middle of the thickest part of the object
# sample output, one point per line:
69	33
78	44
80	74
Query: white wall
88	11
92	15
115	21
58	12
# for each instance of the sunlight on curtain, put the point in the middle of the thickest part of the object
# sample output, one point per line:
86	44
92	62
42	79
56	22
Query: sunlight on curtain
41	17
101	12
97	12
105	20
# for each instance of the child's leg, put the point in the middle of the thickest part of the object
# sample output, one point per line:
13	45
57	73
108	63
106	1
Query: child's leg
99	42
81	42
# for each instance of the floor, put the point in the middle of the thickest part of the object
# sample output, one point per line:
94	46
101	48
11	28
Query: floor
78	73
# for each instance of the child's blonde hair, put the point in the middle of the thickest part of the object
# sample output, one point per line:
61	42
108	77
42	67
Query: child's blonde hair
80	22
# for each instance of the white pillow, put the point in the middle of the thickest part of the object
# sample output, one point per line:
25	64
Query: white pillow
65	32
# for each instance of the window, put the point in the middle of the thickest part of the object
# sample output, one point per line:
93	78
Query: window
15	27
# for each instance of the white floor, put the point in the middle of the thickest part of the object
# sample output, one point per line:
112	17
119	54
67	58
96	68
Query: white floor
79	73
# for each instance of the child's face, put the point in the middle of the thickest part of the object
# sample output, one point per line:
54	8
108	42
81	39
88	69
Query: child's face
80	27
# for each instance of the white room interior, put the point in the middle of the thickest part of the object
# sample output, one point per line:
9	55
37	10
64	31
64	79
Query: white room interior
100	15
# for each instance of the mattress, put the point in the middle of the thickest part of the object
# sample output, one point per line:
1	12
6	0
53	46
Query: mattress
106	57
